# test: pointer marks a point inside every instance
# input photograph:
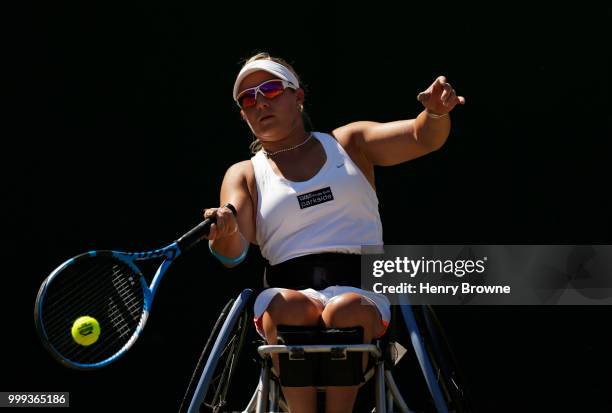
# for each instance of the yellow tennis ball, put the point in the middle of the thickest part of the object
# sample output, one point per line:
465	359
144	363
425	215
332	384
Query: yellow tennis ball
85	330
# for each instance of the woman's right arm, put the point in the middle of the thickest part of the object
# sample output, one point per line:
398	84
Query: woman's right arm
231	235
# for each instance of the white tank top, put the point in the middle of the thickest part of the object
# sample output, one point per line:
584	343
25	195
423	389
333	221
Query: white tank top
334	211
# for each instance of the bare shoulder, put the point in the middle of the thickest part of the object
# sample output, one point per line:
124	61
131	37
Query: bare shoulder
241	176
351	138
240	173
348	136
242	168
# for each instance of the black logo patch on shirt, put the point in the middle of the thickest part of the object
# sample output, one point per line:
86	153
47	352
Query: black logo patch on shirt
315	197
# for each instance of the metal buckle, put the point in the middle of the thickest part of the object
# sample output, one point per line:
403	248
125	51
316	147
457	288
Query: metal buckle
338	353
296	353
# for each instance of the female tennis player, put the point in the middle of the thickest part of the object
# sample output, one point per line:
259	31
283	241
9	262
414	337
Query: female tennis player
308	200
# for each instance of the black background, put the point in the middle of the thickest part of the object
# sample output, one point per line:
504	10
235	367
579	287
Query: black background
120	126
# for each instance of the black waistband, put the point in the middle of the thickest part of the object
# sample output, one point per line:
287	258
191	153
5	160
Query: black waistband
316	271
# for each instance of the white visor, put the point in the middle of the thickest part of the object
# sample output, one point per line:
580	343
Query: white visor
269	66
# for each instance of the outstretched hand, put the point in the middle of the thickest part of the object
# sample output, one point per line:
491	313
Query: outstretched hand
440	98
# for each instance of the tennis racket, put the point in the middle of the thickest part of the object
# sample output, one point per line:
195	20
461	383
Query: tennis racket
110	287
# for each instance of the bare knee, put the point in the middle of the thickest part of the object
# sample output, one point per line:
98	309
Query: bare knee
290	307
352	309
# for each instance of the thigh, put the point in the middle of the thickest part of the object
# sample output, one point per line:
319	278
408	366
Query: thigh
287	306
265	298
355	305
379	301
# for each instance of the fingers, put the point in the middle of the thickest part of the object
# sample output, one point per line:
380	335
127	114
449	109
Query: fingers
440	97
225	225
423	97
436	88
439	83
448	94
450	99
209	212
212	233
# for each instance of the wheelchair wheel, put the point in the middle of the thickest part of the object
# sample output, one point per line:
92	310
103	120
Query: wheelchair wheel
443	360
209	385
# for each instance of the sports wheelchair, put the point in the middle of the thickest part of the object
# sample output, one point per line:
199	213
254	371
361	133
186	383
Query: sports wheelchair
210	387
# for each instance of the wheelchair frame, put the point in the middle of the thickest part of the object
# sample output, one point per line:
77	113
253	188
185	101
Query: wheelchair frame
267	395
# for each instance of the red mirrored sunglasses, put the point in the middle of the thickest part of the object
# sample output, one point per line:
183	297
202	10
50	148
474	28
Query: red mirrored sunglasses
270	89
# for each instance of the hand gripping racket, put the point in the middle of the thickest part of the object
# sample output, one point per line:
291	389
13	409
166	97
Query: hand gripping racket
108	286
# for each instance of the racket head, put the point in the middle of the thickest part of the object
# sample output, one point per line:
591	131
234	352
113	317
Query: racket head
105	285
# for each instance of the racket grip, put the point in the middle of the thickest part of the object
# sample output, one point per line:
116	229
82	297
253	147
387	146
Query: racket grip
199	232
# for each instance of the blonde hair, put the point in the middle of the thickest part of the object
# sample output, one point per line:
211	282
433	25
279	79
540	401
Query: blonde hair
255	146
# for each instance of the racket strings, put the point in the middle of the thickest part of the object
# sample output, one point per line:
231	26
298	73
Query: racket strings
104	288
114	339
81	300
64	280
57	318
68	347
94	281
121	330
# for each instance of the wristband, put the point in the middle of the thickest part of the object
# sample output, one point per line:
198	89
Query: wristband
230	261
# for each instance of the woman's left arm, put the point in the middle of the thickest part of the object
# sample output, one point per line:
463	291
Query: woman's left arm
391	143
